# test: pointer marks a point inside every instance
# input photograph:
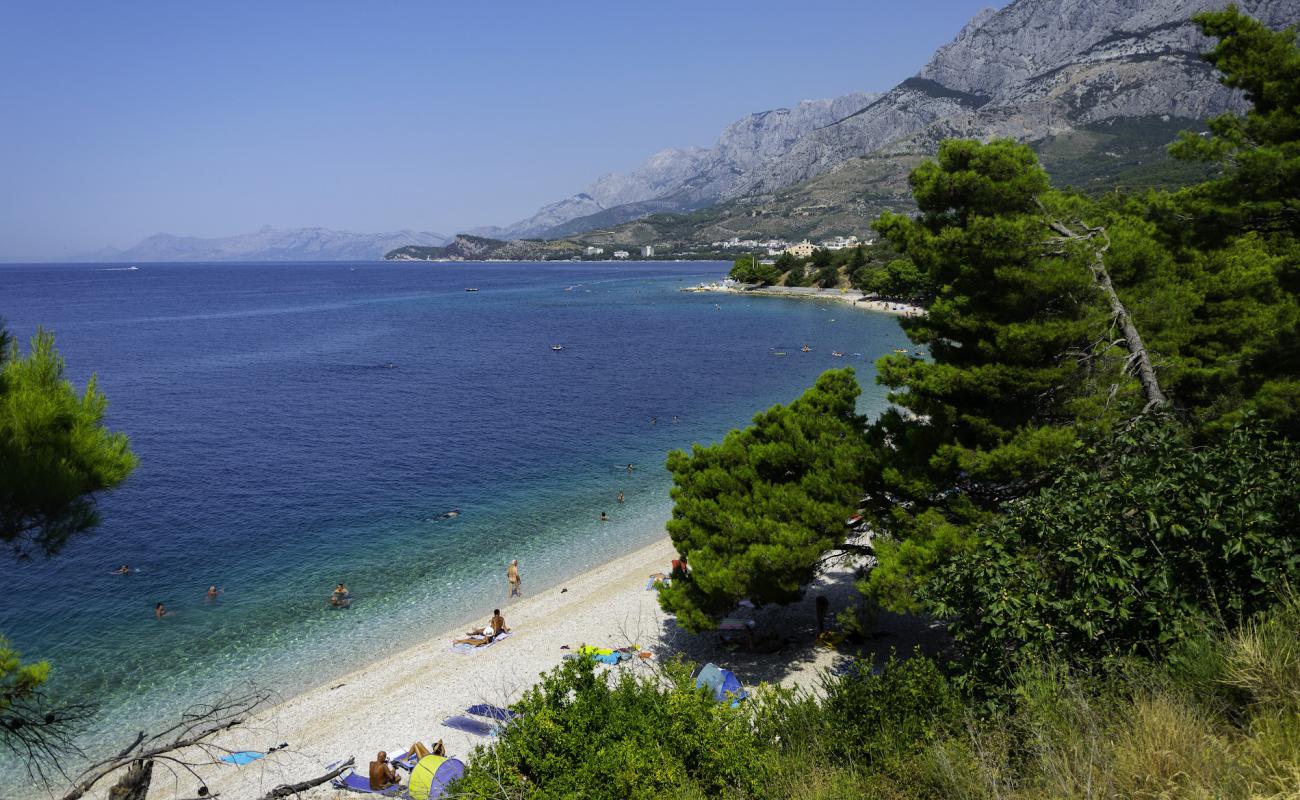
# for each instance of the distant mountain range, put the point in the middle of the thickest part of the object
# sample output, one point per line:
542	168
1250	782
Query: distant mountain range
273	244
685	179
1038	71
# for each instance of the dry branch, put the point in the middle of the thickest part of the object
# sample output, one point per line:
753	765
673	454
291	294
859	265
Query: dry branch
289	790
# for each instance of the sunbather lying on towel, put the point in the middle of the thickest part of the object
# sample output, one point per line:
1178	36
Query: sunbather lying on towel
486	635
382	774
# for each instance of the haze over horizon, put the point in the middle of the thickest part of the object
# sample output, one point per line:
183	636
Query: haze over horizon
127	120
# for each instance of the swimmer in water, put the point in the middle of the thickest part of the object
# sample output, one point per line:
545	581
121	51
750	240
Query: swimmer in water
630	467
604	517
211	596
654	420
159	611
620	497
122	570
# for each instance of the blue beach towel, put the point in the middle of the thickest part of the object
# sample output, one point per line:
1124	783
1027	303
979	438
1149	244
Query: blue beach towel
476	727
492	712
406	760
356	782
241	758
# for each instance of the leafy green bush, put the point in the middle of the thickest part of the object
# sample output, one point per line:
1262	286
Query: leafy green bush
615	735
877	719
1128	551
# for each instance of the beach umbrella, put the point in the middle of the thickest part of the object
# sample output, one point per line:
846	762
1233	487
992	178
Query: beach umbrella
432	775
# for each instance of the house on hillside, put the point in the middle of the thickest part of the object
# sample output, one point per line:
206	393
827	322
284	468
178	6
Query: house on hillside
621	254
802	250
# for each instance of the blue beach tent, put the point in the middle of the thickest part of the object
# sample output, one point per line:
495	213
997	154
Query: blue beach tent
432	776
723	683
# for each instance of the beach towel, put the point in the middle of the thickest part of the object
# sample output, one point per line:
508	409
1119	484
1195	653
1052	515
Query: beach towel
241	758
356	782
492	712
476	727
465	649
406	760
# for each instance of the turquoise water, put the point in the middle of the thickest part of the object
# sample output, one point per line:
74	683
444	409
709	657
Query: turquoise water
280	453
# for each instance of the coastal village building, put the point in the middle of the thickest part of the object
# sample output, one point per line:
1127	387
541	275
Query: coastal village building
841	242
595	251
648	251
621	254
802	250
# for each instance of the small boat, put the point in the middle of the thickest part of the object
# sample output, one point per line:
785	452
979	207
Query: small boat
805	349
471	288
557	347
899	350
837	354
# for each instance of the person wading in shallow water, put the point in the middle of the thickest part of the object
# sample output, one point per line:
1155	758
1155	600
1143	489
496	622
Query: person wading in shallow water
512	575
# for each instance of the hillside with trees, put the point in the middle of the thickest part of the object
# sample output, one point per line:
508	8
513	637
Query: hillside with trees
1092	479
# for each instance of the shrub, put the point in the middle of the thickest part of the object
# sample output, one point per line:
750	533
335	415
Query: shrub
1129	551
875	718
594	734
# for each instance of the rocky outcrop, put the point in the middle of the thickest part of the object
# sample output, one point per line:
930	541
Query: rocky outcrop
272	244
1033	69
687	178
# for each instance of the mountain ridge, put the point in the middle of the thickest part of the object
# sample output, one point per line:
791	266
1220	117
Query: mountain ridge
273	244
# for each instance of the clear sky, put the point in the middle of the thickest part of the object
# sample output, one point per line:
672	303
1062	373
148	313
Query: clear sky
123	119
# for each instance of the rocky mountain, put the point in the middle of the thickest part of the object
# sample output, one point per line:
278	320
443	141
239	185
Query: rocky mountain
272	244
689	178
1035	68
1103	85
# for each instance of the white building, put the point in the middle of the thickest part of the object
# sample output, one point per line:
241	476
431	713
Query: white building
648	251
595	251
621	254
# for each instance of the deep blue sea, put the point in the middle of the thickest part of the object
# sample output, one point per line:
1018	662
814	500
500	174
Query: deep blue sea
303	424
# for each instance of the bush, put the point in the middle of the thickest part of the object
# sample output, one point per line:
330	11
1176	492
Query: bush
878	718
616	735
1129	552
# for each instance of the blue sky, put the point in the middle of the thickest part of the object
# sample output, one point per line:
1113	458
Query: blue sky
119	120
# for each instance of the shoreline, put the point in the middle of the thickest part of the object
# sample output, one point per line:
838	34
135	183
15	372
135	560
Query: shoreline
400	698
852	297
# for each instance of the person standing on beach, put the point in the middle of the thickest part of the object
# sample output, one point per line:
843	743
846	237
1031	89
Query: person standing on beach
512	575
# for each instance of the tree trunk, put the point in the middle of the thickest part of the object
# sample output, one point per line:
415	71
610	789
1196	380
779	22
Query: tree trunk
1139	358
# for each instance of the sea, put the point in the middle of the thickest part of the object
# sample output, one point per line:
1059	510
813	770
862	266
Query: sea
304	424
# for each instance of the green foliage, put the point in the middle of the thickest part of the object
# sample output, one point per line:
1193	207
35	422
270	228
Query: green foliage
997	405
614	735
54	451
748	269
755	512
1262	149
1129	555
18	681
872	719
900	279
